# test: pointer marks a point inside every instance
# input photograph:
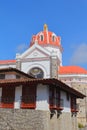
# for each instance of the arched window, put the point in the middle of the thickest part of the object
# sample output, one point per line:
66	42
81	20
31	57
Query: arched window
36	72
53	38
41	37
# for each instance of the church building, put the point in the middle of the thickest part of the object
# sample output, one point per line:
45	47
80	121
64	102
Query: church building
43	60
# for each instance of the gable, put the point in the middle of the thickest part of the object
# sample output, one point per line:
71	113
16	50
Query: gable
35	51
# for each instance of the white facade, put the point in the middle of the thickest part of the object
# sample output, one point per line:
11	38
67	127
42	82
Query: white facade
66	102
42	102
42	98
18	94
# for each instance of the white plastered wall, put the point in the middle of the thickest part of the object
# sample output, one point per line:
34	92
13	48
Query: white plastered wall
42	101
10	76
44	65
18	94
58	52
66	102
7	65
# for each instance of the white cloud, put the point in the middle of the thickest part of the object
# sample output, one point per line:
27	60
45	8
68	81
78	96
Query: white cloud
21	47
79	55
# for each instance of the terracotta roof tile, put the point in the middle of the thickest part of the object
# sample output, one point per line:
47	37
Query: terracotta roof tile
72	70
50	82
7	61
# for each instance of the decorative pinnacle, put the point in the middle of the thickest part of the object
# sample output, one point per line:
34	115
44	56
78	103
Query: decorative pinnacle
45	27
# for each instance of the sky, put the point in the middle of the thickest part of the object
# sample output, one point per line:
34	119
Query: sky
20	19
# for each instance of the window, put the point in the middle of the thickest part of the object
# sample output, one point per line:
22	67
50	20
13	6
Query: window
67	96
8	96
41	37
28	99
53	38
74	106
17	76
54	99
2	76
36	72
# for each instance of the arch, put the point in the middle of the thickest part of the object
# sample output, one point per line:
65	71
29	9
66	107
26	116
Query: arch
36	72
41	37
38	66
53	38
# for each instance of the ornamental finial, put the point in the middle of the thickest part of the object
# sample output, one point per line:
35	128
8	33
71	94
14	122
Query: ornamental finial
45	27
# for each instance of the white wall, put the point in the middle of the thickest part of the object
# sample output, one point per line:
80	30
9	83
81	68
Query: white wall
10	76
6	66
58	52
44	65
18	94
66	102
42	97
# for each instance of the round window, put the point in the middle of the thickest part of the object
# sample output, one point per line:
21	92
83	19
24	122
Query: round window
36	72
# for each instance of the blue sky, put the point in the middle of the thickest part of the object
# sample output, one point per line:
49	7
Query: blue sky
20	19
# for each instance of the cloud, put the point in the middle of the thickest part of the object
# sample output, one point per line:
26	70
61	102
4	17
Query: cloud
80	54
21	47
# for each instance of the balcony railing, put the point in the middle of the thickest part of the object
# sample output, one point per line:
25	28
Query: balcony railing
56	103
28	98
75	108
28	101
6	100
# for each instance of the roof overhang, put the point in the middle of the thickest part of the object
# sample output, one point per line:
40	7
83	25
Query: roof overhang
50	82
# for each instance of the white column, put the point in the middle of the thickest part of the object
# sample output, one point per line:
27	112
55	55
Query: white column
18	94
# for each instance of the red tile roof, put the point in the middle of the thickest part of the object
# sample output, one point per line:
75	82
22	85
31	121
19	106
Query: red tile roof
10	69
50	82
7	61
47	38
72	70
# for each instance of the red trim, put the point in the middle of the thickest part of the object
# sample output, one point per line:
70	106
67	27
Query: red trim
24	105
74	110
7	105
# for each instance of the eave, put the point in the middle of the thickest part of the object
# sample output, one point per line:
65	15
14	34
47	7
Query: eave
50	82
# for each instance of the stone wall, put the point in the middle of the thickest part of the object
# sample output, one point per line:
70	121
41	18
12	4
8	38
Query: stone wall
25	119
82	114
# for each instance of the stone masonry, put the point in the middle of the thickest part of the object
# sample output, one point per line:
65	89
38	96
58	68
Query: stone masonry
25	119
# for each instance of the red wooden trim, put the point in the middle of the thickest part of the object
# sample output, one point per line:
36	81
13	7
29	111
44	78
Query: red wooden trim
74	110
5	105
55	107
24	105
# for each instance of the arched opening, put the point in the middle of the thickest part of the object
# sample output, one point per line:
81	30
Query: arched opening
41	37
53	38
36	72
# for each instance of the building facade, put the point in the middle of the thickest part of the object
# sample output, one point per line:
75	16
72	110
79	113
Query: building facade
43	59
51	98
